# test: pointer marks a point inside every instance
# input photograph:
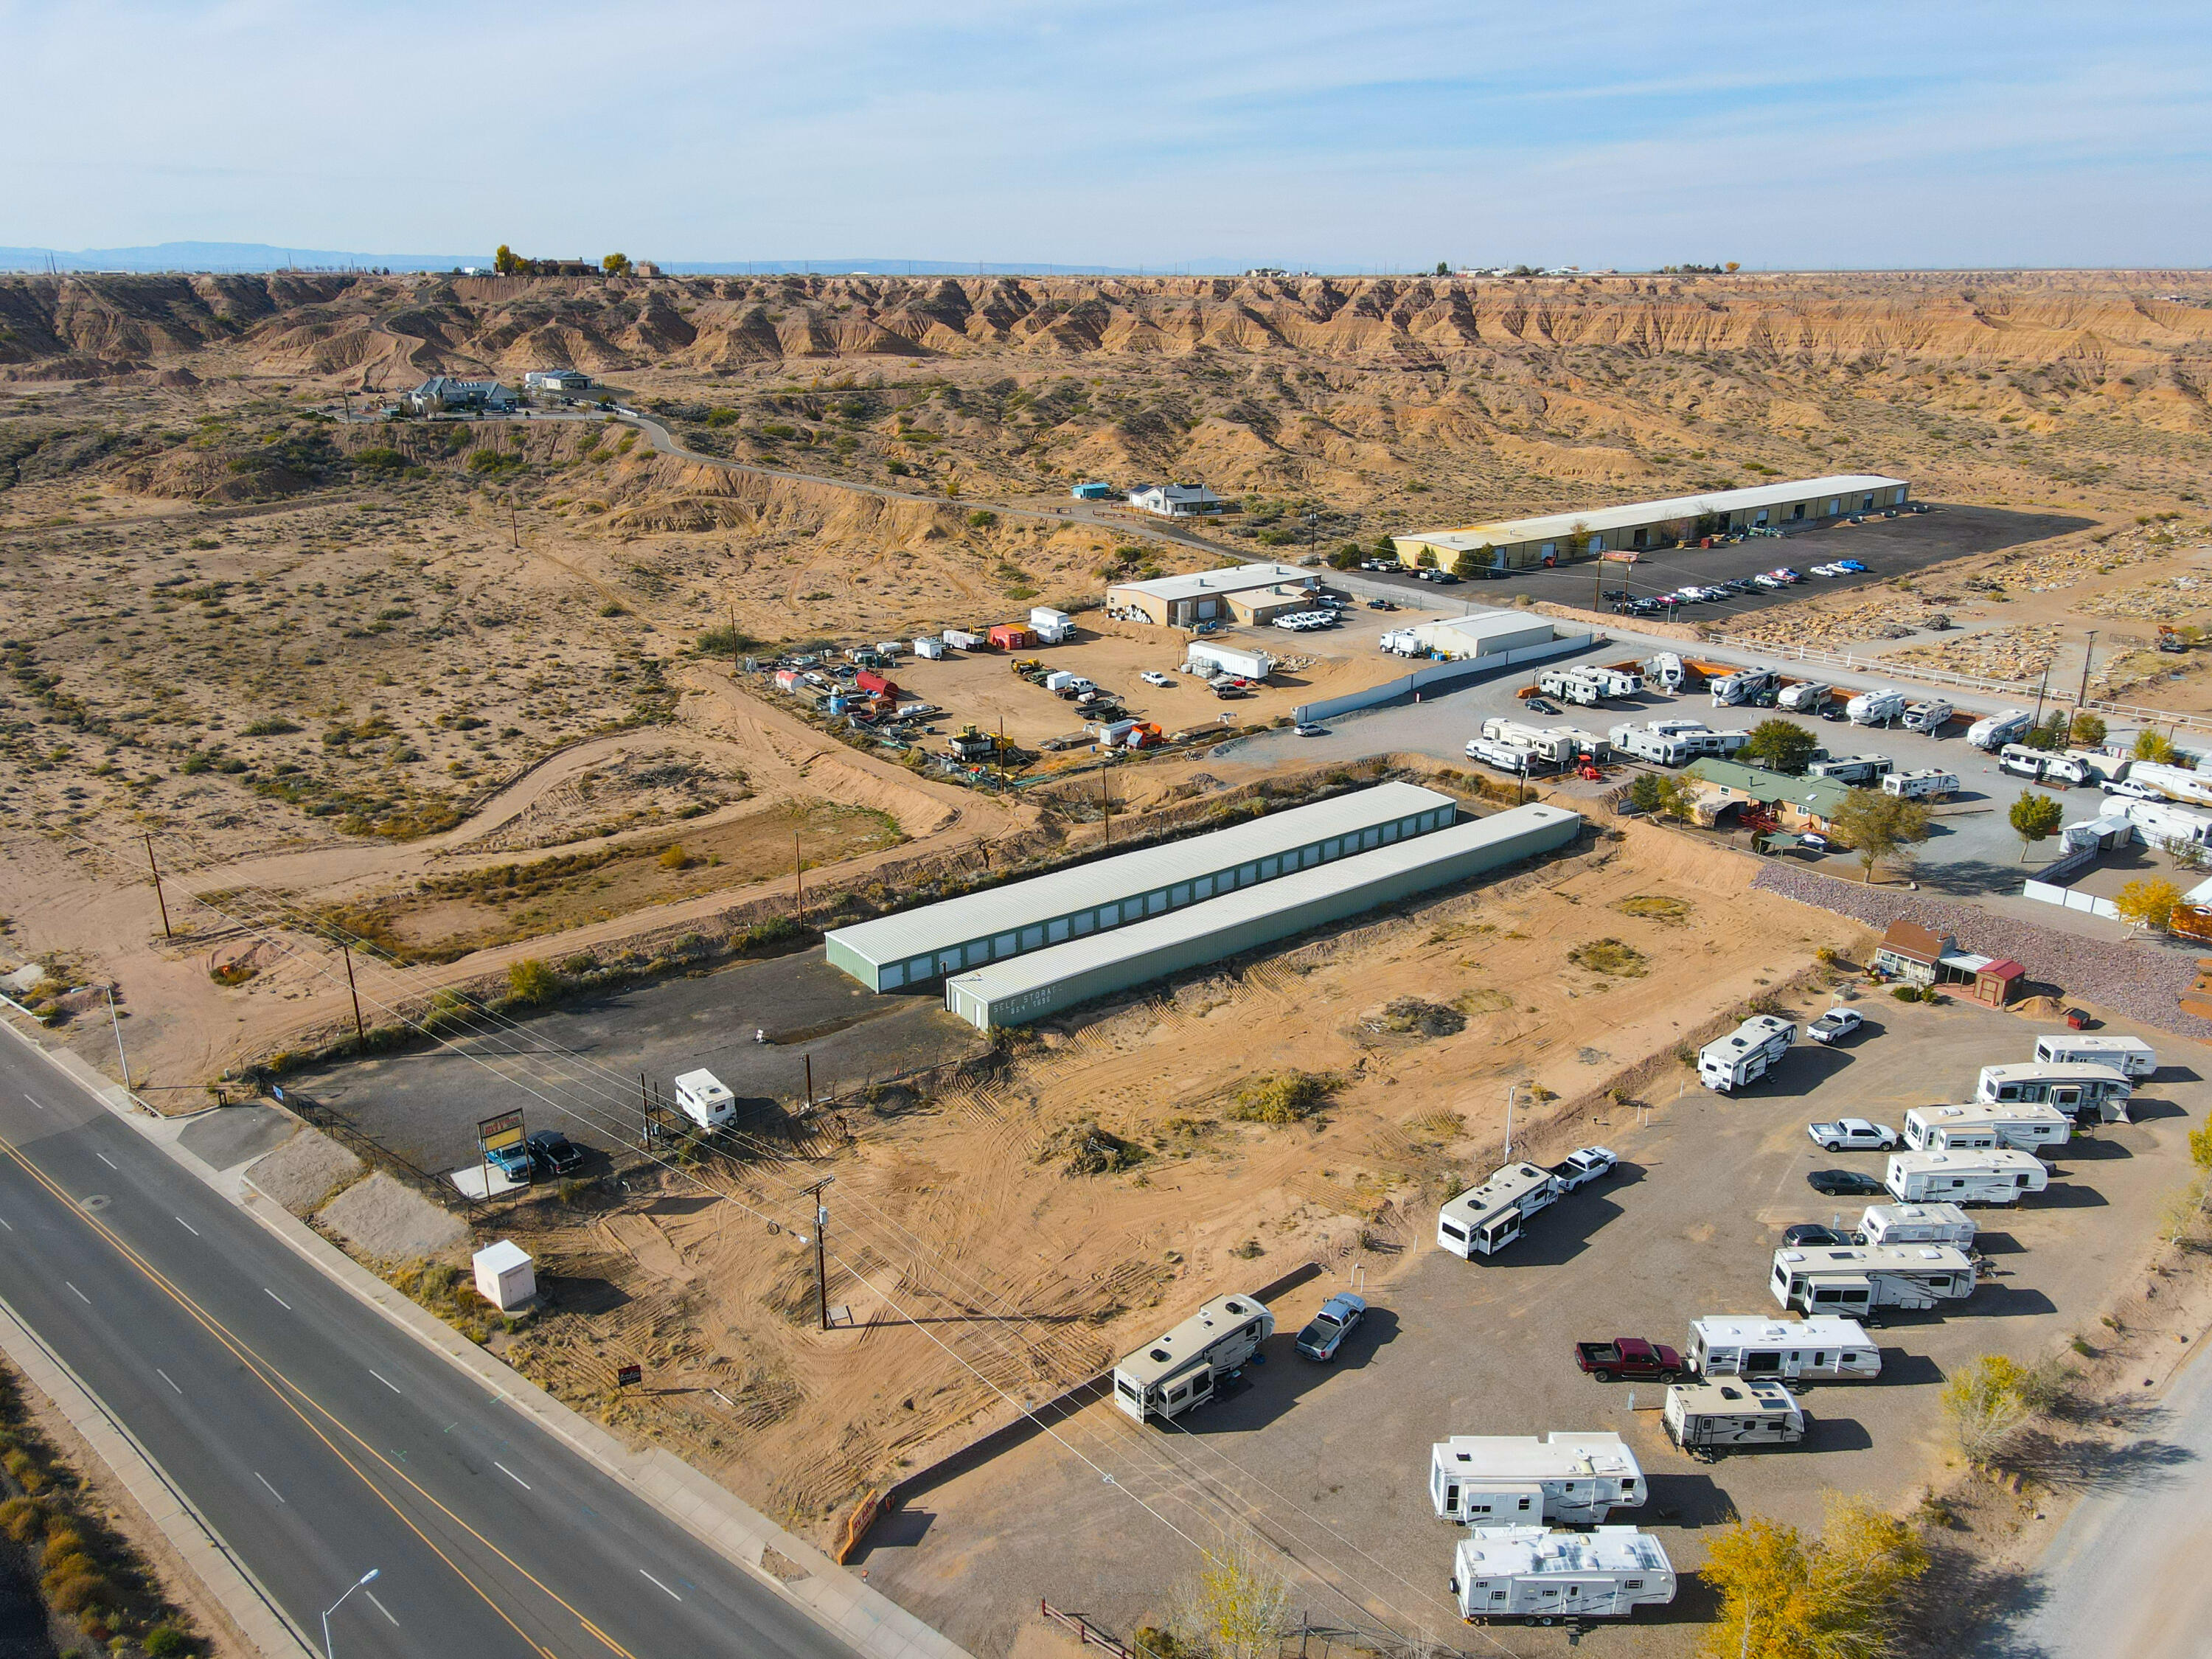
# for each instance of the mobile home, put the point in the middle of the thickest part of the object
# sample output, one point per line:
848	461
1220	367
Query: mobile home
1917	1223
1501	1479
1810	1349
1991	1178
2131	1057
1167	1376
1708	1417
1855	1279
1529	1573
2079	1090
1484	1219
1982	1125
1746	1053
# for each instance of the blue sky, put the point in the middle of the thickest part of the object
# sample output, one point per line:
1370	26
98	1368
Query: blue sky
1342	137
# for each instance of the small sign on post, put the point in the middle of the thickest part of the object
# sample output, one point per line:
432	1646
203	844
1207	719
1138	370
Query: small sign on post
629	1376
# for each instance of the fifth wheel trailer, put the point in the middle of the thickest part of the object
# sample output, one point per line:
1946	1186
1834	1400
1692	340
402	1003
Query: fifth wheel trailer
1804	1349
1981	1125
1856	1279
2131	1057
1168	1376
1917	1223
1983	1177
2097	1092
1484	1219
1544	1577
1500	1479
1746	1053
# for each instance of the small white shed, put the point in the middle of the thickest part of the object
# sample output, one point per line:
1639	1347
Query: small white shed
506	1277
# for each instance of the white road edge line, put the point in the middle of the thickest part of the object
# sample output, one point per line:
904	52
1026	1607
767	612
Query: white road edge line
386	1381
656	1584
39	1104
381	1608
263	1479
518	1481
277	1299
78	1294
3	1222
108	1161
166	1378
186	1225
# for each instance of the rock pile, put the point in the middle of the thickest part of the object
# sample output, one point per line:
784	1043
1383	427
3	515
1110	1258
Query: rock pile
1830	628
2052	568
2020	654
2167	599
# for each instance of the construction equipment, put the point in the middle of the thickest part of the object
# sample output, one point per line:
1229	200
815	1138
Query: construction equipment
2171	639
1026	665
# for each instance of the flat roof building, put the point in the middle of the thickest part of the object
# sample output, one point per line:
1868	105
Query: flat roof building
915	946
1202	596
1032	987
1483	634
1554	538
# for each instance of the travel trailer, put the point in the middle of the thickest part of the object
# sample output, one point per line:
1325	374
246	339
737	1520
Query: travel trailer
1930	717
1822	1350
1711	1417
1683	742
1933	784
1484	1219
1746	1054
1502	1480
2006	725
1167	1376
1986	1177
2096	1092
1666	671
1875	707
1981	1125
1917	1223
704	1099
1546	1577
2131	1057
1747	686
1854	1280
1804	698
1853	769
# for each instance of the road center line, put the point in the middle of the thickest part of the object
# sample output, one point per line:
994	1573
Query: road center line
78	1294
512	1476
263	1479
166	1378
277	1299
4	1224
40	1105
186	1225
387	1382
381	1608
656	1584
108	1161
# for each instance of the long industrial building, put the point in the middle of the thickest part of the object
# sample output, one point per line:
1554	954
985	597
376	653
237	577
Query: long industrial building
917	945
1048	980
1555	538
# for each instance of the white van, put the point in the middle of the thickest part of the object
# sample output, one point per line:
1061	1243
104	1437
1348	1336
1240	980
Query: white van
1933	784
2131	1057
706	1099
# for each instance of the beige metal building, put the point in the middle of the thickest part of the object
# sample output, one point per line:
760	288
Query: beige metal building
1240	593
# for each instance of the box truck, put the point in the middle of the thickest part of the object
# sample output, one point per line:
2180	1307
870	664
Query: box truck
1707	1418
1855	1280
1052	627
2131	1057
2079	1091
1880	707
1544	1577
1981	1125
1170	1375
704	1099
2000	1176
1994	732
1746	1054
1822	1350
1493	1479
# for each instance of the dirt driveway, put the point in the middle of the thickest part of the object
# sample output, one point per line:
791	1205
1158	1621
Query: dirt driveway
1331	1464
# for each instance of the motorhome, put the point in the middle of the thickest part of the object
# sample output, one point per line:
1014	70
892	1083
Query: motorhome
1504	1480
1860	769
1932	784
1822	1350
704	1099
1570	685
2000	1176
1666	671
1685	742
1930	717
1745	1055
1748	686
1709	1417
1875	707
2161	823
1855	1279
1804	698
1167	1376
1994	732
1546	1577
1982	1125
1484	1219
2131	1057
2177	783
1917	1223
2095	1092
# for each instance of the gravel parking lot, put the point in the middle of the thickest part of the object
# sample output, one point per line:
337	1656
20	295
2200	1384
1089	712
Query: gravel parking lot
1332	1462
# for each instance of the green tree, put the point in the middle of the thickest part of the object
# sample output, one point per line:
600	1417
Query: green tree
1443	267
2155	746
2034	816
1989	1401
1876	826
1426	558
1779	745
1784	1596
1470	562
2049	733
532	980
1385	548
2086	731
505	262
1664	793
1345	557
2147	903
616	264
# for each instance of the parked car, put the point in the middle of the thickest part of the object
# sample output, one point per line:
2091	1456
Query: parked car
1324	1333
1769	580
1815	841
1616	593
1786	573
513	1162
1854	567
1381	604
1538	706
1715	594
1829	570
1844	1183
2131	791
1629	1357
1836	1023
1153	676
1309	729
1853	1134
1811	1234
1835	711
1643	607
1580	1169
554	1152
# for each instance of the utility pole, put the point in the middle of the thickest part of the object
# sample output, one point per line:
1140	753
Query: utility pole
359	1030
2044	685
644	1114
821	1249
810	1083
513	526
799	879
1106	800
2082	695
1509	1089
737	641
158	899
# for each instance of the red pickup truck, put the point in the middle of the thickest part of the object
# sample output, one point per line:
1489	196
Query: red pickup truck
1629	1357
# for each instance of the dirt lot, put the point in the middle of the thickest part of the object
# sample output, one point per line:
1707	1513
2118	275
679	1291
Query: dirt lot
1333	1462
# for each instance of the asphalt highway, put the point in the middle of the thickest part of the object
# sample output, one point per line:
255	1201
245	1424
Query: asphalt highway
321	1441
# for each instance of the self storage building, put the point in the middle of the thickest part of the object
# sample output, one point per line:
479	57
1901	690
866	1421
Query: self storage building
1043	983
916	946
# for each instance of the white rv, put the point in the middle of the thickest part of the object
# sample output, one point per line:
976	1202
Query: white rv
1917	1223
1812	1350
1705	1417
1855	1279
2161	821
1504	1480
2106	768
2175	782
1746	686
1984	1126
1932	784
1484	1219
2079	1090
1505	757
1930	717
1852	768
1678	744
1570	685
1991	1178
1546	743
1544	1577
704	1099
1746	1053
1617	682
1875	707
1666	671
1167	1376
1584	743
2006	725
2131	1057
1805	698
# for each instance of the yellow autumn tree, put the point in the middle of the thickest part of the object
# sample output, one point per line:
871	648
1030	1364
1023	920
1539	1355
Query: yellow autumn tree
1786	1596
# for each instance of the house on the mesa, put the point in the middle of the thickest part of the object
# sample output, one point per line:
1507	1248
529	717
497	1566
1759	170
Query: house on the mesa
1176	501
556	380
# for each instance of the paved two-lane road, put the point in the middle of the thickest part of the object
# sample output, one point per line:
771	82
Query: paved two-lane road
321	1440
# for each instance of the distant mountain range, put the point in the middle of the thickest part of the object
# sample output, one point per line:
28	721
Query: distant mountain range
261	257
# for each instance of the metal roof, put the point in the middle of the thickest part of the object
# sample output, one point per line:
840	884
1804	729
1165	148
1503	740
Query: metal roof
1063	892
1230	579
1820	797
1507	533
1058	962
1489	624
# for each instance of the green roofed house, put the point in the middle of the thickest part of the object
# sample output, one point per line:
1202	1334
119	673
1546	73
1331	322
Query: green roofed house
1796	803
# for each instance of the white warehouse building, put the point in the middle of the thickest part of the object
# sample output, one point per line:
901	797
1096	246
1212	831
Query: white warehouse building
1043	983
918	945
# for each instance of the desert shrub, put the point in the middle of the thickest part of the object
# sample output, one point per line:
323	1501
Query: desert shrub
1905	992
21	1519
1082	1148
673	857
1783	1594
165	1641
532	980
1610	956
1988	1403
1655	907
1415	1017
1284	1096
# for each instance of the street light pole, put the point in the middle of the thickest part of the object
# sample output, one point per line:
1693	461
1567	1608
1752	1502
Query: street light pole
340	1602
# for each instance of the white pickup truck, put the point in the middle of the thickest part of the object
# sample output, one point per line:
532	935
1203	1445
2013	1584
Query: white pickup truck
1580	1169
